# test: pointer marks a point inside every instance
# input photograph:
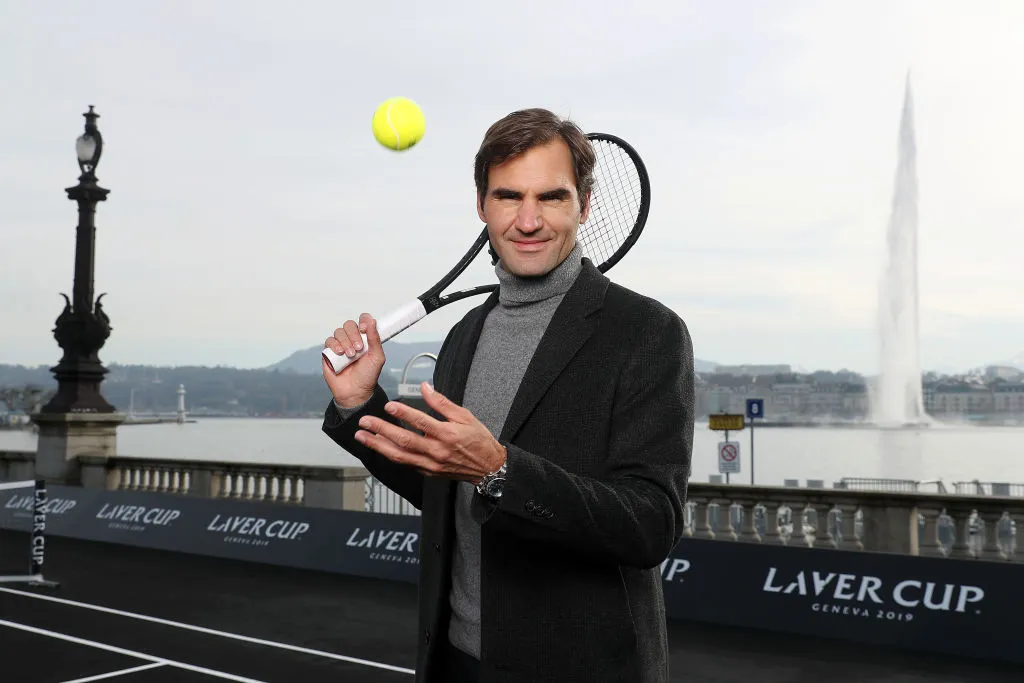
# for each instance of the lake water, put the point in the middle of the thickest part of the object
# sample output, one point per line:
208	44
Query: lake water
949	453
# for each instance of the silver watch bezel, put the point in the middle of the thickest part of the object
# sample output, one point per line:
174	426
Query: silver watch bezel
485	485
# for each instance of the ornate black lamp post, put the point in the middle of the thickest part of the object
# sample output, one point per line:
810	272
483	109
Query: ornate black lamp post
82	327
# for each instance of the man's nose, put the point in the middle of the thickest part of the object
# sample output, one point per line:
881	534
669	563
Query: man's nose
529	219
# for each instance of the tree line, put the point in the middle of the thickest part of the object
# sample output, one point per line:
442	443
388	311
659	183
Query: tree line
208	390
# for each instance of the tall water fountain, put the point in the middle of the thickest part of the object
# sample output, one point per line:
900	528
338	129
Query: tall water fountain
898	398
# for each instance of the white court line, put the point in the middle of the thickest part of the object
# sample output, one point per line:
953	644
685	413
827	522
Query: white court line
210	631
130	653
113	674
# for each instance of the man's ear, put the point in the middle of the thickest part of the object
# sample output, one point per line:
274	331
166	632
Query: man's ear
585	213
480	213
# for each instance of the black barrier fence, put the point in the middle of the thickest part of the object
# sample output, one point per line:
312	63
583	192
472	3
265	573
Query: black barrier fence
931	604
943	605
360	543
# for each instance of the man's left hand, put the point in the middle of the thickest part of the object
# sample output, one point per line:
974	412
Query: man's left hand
461	448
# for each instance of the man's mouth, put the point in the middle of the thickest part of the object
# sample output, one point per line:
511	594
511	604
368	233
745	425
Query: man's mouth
529	245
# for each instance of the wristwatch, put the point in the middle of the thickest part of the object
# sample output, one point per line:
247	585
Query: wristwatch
493	483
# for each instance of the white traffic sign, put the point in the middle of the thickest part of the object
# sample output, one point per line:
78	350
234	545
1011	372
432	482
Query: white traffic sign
409	390
728	457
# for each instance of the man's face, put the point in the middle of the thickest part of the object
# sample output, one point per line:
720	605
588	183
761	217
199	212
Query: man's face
532	209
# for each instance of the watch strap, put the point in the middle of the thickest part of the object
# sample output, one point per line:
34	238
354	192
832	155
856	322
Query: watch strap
483	484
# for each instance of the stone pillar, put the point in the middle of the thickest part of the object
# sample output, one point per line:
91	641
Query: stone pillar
17	465
63	437
891	529
342	488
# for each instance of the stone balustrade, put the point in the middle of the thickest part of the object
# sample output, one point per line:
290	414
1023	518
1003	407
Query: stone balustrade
942	525
17	465
328	487
962	524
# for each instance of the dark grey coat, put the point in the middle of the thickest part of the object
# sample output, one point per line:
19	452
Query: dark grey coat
599	442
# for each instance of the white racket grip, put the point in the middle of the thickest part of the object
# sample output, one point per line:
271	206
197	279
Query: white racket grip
401	318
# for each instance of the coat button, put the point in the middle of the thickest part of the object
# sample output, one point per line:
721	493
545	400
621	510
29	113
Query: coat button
426	637
437	547
531	506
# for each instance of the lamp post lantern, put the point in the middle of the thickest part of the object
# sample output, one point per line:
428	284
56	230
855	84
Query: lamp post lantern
82	328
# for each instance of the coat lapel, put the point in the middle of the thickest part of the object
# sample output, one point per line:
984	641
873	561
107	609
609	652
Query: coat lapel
570	327
465	348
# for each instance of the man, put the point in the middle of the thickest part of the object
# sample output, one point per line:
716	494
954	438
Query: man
552	472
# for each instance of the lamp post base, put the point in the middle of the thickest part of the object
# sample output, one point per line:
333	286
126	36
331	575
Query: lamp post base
81	333
63	438
78	389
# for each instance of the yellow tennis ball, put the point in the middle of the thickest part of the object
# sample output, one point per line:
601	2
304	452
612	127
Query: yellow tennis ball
398	123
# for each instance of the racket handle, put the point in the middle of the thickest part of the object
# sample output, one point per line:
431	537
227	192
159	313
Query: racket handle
396	321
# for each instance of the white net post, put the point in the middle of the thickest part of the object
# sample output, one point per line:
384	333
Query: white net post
37	535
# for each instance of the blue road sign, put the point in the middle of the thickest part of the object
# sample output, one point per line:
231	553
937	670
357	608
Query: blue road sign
755	407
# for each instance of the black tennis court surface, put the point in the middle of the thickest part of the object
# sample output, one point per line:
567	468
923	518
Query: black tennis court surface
128	615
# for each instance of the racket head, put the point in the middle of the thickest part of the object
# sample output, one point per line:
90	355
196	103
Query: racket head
620	201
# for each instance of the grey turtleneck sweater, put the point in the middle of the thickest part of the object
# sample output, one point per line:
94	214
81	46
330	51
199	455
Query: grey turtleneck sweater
510	335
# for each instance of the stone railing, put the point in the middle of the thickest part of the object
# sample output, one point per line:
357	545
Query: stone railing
941	525
956	525
17	465
328	487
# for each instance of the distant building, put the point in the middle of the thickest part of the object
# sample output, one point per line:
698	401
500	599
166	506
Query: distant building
995	394
749	370
1003	372
1008	398
12	418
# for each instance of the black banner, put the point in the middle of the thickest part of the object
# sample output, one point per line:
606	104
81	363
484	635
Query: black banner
932	604
361	543
965	607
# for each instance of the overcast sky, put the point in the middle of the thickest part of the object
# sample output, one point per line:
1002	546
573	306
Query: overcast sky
251	211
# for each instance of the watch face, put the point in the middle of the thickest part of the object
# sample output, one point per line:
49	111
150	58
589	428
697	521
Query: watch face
495	487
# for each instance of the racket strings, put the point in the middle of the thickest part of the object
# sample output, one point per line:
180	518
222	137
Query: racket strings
615	203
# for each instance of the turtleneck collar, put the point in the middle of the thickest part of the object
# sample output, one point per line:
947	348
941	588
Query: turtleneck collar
515	290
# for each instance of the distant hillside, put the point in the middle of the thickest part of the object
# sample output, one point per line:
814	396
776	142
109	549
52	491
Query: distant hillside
703	365
209	390
398	354
1015	362
307	361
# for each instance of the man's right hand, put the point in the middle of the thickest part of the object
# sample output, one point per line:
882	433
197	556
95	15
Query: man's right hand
354	385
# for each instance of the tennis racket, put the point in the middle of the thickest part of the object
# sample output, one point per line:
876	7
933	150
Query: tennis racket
619	203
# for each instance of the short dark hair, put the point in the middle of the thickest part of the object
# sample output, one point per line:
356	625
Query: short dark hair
521	130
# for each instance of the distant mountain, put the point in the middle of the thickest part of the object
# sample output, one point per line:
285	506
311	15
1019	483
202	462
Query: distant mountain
147	390
307	361
398	354
1017	361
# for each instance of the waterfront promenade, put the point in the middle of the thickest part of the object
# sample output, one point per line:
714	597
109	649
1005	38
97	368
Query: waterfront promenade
324	560
278	624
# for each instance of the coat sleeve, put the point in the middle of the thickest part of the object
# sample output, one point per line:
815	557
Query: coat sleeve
404	480
631	513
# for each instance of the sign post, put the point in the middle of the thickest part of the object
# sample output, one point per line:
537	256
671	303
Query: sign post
755	409
728	451
726	422
728	457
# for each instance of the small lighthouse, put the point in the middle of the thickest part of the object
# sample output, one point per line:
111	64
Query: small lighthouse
181	404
